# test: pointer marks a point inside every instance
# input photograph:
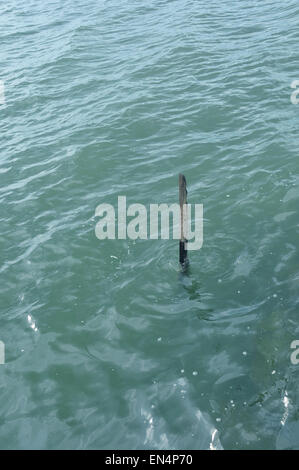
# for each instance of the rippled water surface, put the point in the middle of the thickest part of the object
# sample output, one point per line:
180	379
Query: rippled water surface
107	344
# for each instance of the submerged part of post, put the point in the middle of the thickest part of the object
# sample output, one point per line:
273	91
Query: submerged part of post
184	222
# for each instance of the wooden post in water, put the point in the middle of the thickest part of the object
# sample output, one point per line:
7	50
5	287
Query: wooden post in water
184	221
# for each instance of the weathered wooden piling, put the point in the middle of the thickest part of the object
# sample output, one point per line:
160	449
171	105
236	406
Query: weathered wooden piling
184	220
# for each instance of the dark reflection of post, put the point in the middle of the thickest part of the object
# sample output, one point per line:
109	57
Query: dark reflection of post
193	289
184	273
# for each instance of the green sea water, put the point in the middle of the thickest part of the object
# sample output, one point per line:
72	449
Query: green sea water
107	343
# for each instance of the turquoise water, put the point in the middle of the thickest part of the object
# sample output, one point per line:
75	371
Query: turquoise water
107	344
